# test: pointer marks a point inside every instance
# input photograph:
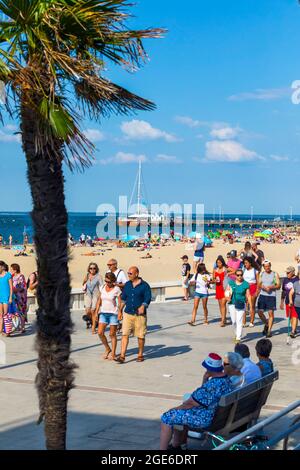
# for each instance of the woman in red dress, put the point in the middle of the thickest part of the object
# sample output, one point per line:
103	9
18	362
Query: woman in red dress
219	275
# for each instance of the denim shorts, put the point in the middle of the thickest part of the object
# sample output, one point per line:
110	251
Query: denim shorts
109	319
201	296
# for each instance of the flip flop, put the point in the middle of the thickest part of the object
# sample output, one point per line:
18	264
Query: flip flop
140	359
191	323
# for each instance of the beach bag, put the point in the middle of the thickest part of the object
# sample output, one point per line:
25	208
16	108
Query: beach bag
7	324
228	292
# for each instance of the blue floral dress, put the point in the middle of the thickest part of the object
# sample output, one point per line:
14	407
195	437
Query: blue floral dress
208	397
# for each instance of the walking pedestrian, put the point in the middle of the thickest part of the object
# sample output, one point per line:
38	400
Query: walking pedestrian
269	283
91	286
219	278
238	293
136	298
201	280
251	275
185	276
288	286
6	293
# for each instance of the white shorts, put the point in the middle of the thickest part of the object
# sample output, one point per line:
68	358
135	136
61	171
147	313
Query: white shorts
199	259
185	283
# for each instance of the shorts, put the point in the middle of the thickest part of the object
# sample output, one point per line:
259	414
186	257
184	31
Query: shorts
185	284
4	300
253	289
90	301
266	303
135	324
292	311
109	319
199	259
201	296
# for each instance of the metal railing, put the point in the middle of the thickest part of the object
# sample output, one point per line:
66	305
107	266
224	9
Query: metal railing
283	435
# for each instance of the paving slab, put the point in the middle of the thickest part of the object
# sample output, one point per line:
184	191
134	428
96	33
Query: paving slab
118	406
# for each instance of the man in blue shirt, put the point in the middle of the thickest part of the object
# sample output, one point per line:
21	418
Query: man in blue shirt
136	298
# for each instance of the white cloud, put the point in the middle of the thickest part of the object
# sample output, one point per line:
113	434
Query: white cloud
229	151
123	158
188	121
142	130
94	135
7	137
225	133
162	158
279	158
262	94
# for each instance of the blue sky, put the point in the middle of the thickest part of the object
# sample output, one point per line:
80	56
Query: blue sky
225	131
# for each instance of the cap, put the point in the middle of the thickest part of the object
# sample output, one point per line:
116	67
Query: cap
233	253
290	269
213	362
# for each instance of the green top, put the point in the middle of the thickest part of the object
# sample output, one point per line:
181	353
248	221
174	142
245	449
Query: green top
238	293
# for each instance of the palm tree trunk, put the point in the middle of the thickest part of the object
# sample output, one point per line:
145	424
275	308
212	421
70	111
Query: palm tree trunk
54	326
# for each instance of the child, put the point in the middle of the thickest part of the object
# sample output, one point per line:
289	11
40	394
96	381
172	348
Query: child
263	350
185	274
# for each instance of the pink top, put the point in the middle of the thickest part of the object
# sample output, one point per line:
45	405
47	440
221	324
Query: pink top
233	264
109	300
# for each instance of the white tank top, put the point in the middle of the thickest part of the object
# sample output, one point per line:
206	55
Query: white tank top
250	275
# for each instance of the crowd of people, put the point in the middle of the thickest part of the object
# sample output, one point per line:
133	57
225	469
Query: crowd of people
246	284
13	298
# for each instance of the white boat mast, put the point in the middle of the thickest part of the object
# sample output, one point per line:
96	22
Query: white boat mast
139	188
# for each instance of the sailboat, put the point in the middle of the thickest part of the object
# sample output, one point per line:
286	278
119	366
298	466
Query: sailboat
142	216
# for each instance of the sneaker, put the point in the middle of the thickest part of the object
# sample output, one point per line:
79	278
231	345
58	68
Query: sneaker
251	325
237	341
293	334
265	330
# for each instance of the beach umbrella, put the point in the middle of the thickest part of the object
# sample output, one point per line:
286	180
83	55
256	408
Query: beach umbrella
267	232
207	241
128	238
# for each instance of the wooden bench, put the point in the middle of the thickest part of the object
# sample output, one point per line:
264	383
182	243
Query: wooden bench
241	407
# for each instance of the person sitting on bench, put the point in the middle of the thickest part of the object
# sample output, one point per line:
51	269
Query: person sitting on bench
198	411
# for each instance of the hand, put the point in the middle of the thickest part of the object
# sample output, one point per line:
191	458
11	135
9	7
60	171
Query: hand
141	310
281	306
120	316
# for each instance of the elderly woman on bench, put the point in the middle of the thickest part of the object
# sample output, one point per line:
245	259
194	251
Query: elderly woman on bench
198	411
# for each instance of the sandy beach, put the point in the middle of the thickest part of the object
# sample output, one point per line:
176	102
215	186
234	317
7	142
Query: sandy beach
165	264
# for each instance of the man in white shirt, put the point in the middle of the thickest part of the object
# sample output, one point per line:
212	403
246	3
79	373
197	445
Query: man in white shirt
119	273
250	370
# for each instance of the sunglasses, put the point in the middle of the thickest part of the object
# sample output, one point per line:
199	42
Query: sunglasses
239	275
130	274
93	269
109	265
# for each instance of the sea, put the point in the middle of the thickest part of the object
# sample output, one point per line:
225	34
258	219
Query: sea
19	224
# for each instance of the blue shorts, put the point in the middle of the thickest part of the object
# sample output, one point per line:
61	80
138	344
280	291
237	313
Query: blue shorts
201	296
266	303
109	319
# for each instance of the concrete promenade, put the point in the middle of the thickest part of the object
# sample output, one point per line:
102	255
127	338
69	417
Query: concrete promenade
118	406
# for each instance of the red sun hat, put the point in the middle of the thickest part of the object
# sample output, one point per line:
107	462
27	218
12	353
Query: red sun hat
213	363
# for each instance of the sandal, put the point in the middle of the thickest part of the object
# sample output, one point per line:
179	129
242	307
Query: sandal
106	354
120	360
140	359
191	323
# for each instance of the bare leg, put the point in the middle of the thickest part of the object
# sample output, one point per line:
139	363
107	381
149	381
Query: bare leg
294	323
271	320
165	436
141	344
262	317
195	309
223	311
186	293
94	321
101	333
5	312
252	309
124	345
205	309
179	437
113	337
